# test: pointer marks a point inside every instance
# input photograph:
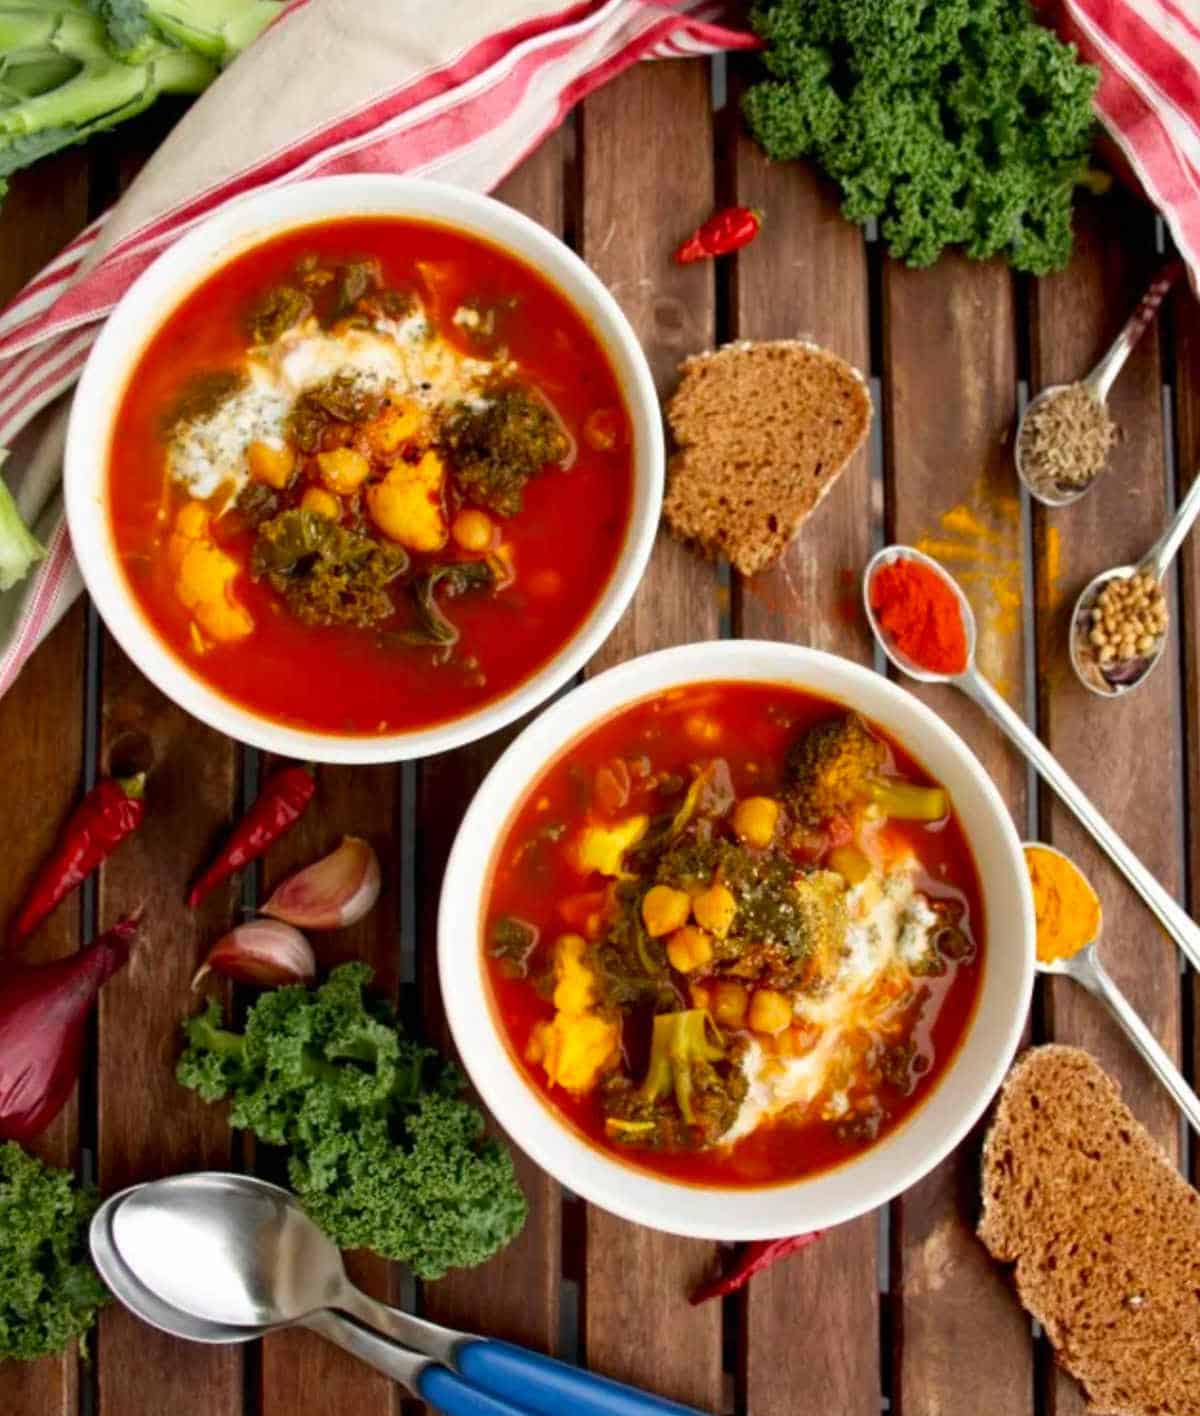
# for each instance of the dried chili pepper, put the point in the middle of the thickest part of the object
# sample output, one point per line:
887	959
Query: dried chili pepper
726	230
282	801
110	811
752	1258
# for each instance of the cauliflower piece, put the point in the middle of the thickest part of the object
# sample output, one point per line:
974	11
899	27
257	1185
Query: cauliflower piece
204	576
601	848
577	1044
407	504
397	422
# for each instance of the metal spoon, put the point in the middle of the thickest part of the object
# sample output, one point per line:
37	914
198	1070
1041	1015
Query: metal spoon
1155	563
1173	918
420	1374
1099	381
235	1251
1085	968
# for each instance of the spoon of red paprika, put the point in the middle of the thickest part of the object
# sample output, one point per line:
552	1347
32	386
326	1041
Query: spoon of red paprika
925	625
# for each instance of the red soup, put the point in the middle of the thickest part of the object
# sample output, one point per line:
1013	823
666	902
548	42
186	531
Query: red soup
370	475
734	934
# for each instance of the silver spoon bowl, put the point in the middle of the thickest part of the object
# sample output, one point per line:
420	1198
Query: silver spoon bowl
1173	918
1155	563
1099	382
1085	968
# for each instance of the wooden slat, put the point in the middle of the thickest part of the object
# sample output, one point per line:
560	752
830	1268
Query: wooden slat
950	396
1124	753
300	1371
43	765
647	179
482	1299
814	1321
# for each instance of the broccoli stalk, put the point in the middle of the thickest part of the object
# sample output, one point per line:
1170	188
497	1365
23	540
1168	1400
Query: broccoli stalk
19	549
217	29
838	766
682	1052
60	82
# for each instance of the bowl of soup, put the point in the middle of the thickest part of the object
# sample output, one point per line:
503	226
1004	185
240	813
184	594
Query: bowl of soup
362	469
737	940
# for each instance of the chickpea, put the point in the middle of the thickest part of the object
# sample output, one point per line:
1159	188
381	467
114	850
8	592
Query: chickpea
714	909
664	910
754	821
729	1003
272	465
343	470
473	530
322	503
770	1011
689	949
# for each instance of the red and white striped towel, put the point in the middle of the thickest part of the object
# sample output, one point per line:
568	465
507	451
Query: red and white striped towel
460	91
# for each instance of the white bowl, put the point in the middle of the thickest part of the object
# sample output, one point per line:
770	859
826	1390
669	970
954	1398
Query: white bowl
906	1153
191	260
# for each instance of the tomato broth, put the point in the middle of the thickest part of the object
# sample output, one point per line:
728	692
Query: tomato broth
555	555
537	880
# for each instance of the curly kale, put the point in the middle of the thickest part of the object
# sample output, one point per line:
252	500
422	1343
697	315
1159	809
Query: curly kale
497	445
384	1153
49	1292
953	122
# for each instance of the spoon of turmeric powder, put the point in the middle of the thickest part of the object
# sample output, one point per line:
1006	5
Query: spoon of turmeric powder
1069	917
924	624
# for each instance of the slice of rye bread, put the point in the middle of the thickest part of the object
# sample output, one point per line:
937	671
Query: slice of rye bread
1104	1232
762	432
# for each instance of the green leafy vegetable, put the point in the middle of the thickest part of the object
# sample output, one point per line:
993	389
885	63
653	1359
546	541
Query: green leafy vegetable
218	29
385	1154
49	1292
281	308
19	549
497	445
201	396
327	573
456	578
341	399
954	122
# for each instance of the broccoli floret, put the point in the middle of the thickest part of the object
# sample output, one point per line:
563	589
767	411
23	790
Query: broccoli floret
498	445
838	766
690	1095
49	1292
384	1153
953	122
218	29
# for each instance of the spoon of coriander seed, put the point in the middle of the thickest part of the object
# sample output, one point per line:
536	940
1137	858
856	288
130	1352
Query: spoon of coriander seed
1066	432
1119	624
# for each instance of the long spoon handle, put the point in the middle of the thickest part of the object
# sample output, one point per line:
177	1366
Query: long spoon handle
1173	918
1103	376
1162	553
1096	980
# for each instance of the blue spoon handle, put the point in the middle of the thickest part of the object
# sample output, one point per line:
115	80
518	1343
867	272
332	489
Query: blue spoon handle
452	1396
547	1387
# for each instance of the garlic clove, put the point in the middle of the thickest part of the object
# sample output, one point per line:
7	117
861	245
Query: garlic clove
331	893
264	951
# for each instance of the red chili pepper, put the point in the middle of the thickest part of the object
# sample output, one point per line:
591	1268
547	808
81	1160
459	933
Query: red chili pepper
110	812
726	230
752	1258
280	804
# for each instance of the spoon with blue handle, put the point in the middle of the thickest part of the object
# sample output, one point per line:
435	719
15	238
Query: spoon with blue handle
423	1376
236	1251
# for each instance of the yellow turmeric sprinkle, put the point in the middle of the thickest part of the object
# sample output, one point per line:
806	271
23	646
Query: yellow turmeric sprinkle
1066	907
1052	566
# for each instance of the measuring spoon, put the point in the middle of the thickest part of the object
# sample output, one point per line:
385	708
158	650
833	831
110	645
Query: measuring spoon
1173	918
1085	968
1099	381
1155	563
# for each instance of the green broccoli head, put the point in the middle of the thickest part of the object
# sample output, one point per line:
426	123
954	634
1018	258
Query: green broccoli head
49	1292
385	1154
961	122
839	766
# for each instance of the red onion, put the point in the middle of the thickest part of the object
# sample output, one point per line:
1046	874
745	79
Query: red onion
43	1012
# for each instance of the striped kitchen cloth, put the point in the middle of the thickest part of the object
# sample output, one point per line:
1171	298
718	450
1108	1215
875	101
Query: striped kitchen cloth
455	90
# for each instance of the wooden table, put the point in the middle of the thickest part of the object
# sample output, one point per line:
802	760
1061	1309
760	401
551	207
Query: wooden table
900	1310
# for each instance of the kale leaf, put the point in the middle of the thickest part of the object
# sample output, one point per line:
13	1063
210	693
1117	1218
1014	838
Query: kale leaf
384	1152
497	445
952	122
455	578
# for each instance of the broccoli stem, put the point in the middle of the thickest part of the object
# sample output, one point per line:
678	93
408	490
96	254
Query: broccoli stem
905	802
678	1041
218	29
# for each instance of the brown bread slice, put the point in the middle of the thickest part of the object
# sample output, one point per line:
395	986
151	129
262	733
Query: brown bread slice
1104	1232
762	432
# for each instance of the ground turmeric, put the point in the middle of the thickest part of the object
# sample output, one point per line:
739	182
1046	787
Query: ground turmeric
1065	905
